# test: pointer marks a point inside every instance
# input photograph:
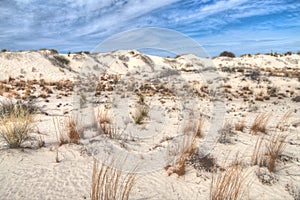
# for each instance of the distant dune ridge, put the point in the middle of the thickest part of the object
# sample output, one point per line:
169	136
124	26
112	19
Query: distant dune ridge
142	127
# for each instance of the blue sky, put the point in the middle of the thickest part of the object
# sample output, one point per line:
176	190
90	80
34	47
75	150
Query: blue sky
240	26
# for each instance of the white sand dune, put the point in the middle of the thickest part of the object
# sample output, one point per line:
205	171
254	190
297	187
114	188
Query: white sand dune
176	91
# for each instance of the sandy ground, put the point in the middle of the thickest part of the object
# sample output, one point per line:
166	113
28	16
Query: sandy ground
223	91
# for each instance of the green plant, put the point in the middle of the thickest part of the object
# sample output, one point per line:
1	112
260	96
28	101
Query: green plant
141	100
109	183
140	114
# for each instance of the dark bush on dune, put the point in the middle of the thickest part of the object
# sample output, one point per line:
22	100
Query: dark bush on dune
288	53
4	50
227	54
61	59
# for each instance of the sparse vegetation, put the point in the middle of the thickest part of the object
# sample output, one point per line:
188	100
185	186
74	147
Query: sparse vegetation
111	183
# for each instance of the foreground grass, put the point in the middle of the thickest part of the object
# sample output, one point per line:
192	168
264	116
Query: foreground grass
229	184
16	126
109	183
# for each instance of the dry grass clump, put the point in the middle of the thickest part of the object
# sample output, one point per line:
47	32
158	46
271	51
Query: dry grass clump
282	124
225	133
109	183
200	124
67	130
104	116
186	150
74	131
260	124
140	114
275	148
240	126
228	184
61	135
266	153
105	123
15	127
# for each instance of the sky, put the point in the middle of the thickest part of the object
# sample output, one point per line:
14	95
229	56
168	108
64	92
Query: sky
240	26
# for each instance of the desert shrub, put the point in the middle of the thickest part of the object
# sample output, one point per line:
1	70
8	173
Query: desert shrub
8	108
227	54
53	51
81	52
288	53
200	163
4	50
111	183
16	127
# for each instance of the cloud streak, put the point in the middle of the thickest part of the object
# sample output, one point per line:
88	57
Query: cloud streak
82	24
